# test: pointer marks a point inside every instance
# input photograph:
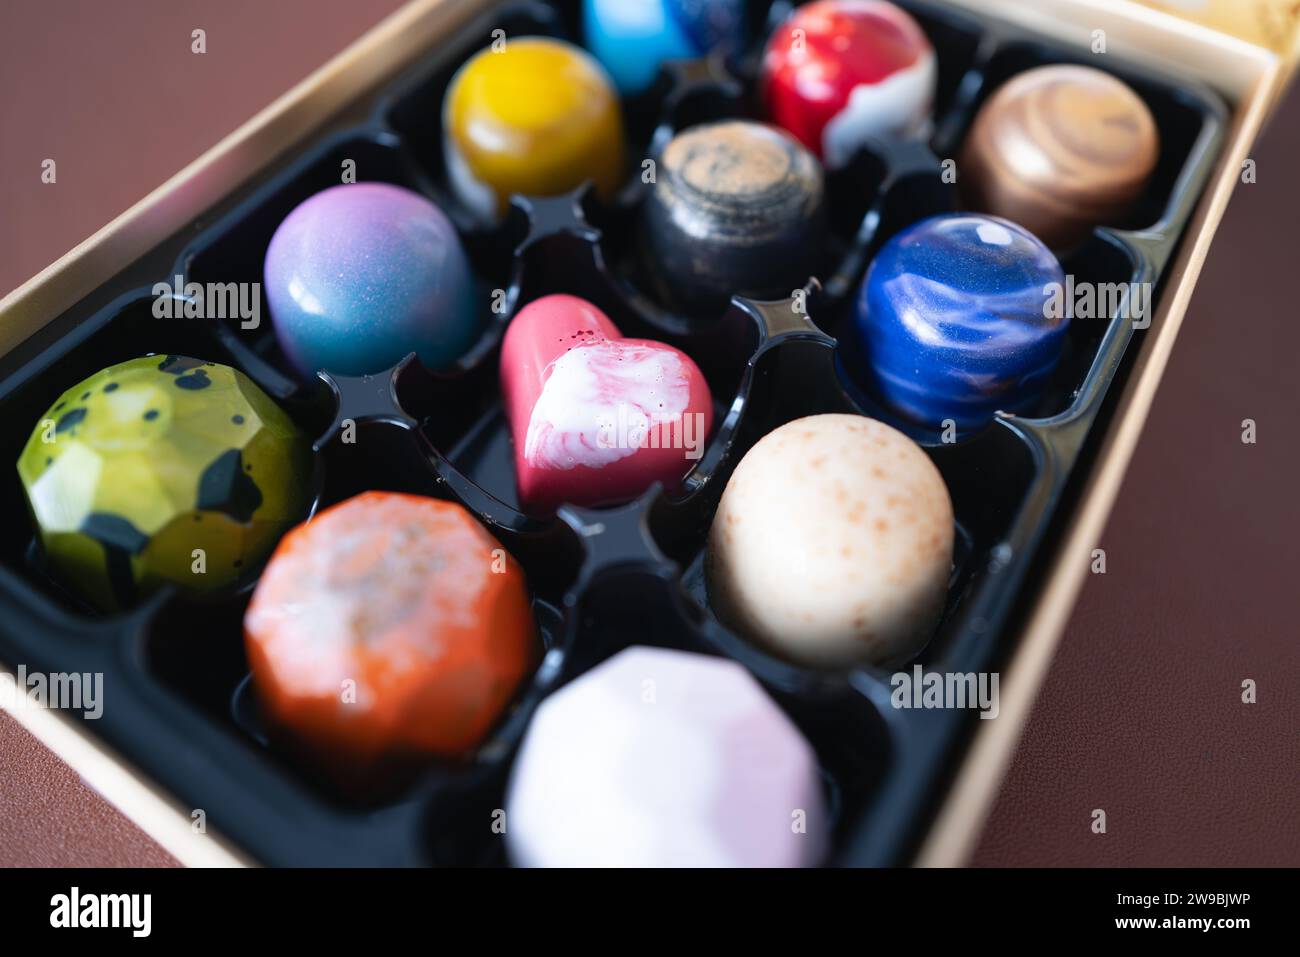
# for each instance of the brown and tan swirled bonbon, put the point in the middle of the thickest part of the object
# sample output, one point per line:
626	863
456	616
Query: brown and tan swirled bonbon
1060	149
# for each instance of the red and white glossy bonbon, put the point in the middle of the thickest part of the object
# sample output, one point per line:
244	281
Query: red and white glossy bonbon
840	72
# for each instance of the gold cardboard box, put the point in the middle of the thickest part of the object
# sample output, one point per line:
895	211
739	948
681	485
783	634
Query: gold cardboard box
1273	24
1243	69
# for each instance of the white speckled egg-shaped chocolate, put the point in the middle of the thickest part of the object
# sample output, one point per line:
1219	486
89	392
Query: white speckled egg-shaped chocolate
833	542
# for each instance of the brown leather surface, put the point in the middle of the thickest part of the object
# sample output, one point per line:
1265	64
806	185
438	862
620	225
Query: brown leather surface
49	818
1141	714
113	93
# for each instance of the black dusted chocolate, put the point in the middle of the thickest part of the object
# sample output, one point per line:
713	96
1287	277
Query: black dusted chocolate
738	208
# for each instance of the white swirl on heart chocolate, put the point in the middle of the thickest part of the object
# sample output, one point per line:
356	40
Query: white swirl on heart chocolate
598	400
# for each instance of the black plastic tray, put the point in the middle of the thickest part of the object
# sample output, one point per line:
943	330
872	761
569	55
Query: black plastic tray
176	689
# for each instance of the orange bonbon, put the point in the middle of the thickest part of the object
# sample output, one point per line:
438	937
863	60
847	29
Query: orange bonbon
389	630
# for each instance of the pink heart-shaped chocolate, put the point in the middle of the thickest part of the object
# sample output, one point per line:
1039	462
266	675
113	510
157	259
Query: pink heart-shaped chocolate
596	418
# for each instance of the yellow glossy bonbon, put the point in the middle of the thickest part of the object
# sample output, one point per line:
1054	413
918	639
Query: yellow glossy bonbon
535	116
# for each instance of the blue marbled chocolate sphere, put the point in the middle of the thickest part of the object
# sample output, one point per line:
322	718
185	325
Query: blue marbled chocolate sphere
357	276
954	322
632	38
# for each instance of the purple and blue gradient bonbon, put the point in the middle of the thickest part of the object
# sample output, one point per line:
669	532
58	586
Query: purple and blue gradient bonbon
359	275
954	322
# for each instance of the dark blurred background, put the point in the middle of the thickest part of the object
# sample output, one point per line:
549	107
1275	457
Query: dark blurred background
1141	713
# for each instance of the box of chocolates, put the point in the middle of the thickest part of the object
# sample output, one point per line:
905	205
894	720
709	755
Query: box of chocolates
592	433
